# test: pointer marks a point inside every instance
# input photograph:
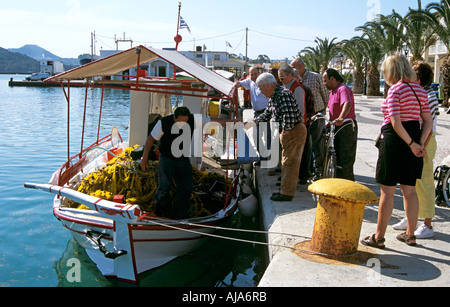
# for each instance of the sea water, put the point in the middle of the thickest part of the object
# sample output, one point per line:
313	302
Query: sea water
35	249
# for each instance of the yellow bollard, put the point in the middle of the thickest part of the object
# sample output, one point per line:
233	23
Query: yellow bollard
339	216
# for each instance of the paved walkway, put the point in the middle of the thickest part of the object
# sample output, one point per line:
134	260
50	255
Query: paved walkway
427	265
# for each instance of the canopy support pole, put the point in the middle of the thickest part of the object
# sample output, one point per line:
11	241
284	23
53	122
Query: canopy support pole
100	115
84	119
67	95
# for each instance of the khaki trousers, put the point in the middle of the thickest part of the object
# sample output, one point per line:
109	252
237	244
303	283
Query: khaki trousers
425	186
291	156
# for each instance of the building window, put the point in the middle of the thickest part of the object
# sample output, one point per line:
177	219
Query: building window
199	56
217	57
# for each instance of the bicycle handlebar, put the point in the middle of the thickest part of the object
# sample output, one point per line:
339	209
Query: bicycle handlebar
321	116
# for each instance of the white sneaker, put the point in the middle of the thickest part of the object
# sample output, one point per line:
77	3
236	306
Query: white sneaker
423	232
402	225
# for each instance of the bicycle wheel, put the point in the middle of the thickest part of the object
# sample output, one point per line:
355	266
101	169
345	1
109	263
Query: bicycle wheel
330	166
446	188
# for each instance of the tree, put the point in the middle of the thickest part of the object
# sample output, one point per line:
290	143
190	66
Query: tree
322	54
418	33
353	52
262	58
438	16
372	47
311	58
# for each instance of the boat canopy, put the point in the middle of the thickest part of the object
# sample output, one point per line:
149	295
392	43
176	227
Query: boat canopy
135	57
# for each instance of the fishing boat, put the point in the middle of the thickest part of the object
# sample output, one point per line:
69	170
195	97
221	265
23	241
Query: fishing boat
120	234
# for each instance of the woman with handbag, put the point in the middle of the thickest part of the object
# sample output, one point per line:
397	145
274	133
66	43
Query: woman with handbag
406	127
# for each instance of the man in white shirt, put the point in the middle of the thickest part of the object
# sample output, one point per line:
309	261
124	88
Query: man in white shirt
259	103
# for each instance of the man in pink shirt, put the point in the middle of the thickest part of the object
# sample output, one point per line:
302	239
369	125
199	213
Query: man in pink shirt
342	106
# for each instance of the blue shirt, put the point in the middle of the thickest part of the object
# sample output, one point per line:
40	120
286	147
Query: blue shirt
259	101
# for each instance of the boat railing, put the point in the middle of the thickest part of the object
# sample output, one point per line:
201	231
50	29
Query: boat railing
79	161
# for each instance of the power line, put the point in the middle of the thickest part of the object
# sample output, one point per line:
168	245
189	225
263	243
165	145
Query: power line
222	35
282	37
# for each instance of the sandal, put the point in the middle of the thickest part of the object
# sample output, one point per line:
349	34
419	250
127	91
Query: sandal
373	242
407	239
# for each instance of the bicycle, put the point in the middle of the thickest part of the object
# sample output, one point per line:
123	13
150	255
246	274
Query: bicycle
330	161
442	175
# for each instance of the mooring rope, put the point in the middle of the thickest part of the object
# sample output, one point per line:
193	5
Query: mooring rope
153	220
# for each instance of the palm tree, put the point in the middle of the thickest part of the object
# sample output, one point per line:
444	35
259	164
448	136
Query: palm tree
390	31
372	47
438	16
328	50
311	57
323	53
418	33
390	34
353	52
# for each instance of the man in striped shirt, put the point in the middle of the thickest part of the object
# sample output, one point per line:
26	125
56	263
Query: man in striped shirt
283	108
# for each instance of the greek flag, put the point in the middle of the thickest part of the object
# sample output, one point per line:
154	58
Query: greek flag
183	24
229	45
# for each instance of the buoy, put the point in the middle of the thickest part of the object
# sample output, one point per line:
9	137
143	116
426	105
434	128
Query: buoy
246	178
248	206
246	189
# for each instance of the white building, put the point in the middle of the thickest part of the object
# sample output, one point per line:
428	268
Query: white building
436	54
51	67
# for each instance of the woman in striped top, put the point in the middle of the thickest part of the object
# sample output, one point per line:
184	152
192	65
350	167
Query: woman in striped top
401	146
425	186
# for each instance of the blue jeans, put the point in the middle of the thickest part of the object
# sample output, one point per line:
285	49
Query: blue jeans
180	172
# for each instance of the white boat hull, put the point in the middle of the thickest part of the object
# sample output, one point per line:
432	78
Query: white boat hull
152	242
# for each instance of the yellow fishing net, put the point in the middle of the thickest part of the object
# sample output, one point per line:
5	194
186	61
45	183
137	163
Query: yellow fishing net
123	176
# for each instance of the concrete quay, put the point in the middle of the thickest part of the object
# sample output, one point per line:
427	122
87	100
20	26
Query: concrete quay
426	265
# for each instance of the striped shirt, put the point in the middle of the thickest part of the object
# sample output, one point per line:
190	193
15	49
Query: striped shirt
283	108
402	101
434	106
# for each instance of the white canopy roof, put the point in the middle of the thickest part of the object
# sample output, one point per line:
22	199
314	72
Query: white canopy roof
125	60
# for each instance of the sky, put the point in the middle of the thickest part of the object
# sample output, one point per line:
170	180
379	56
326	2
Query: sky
278	29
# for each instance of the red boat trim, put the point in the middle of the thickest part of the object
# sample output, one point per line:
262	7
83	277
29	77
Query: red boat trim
178	226
83	233
77	221
168	240
95	204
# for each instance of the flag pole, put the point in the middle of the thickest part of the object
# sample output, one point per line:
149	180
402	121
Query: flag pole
177	38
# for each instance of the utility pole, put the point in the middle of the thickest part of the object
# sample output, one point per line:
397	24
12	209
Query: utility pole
124	40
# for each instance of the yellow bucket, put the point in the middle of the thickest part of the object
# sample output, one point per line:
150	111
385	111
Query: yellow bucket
214	108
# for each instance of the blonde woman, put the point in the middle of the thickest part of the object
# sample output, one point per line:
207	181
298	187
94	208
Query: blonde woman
401	147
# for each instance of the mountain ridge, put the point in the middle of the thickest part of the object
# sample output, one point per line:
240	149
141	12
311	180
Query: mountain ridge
26	59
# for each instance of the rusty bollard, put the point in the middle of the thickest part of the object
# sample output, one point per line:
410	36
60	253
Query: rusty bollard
339	216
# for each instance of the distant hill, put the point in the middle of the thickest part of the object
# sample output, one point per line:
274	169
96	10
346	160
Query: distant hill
11	62
39	53
35	52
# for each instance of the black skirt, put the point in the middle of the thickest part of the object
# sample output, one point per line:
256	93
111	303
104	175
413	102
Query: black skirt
397	164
